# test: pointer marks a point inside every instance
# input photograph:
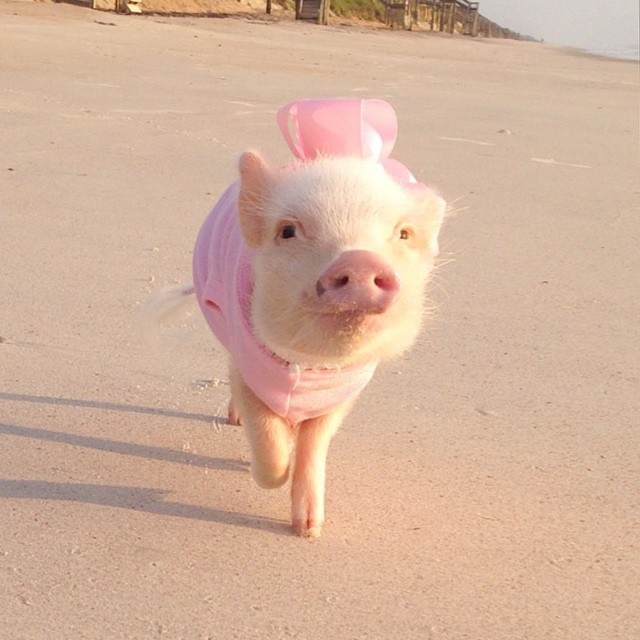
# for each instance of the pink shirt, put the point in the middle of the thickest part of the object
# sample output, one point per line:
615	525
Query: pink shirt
222	272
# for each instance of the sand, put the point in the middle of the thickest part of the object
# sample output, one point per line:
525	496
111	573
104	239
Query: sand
486	485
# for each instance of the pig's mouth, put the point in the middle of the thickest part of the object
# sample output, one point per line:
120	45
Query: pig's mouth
344	317
347	322
345	308
327	336
342	313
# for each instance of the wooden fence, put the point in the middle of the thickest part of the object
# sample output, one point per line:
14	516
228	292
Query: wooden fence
448	16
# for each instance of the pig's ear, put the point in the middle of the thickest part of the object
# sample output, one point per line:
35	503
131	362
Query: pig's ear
435	208
256	183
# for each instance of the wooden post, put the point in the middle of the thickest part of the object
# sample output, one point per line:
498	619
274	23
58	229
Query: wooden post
268	10
451	26
413	10
323	15
474	26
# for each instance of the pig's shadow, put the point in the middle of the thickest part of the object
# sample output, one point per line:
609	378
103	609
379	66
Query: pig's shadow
150	500
136	498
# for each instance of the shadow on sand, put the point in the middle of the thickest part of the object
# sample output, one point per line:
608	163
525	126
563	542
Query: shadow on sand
135	498
108	406
145	499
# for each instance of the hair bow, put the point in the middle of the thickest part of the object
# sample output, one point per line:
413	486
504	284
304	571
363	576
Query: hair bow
364	128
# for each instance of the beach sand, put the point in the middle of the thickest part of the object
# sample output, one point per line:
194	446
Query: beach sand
485	487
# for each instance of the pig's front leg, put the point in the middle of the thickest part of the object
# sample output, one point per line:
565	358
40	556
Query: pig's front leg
308	485
270	437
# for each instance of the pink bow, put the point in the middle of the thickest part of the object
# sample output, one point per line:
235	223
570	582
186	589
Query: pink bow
345	127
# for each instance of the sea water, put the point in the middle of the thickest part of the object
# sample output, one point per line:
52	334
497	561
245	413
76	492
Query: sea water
622	53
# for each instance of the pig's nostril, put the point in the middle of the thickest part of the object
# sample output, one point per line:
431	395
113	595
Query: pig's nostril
333	284
385	282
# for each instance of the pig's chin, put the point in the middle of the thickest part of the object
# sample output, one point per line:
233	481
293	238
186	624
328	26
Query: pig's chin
333	339
316	337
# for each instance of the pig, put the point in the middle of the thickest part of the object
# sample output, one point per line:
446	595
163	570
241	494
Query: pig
310	275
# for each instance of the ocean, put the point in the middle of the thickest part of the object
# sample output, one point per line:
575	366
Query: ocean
622	53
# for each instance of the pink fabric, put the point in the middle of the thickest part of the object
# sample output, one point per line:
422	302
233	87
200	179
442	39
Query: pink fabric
364	128
222	263
223	284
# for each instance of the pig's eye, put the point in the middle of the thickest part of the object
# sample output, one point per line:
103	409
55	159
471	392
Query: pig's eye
404	234
288	231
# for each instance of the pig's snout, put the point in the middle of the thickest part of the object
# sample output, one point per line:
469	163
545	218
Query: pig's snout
358	281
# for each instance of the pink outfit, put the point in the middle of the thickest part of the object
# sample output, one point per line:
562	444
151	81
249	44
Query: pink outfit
222	263
223	284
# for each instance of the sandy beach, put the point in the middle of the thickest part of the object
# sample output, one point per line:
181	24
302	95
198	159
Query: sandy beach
486	487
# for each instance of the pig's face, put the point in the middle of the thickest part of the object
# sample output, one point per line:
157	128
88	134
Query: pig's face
343	254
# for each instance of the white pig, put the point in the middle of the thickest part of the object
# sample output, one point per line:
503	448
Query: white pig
310	275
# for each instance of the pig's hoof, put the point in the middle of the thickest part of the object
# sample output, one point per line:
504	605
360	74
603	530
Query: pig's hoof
307	526
234	416
307	529
307	511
